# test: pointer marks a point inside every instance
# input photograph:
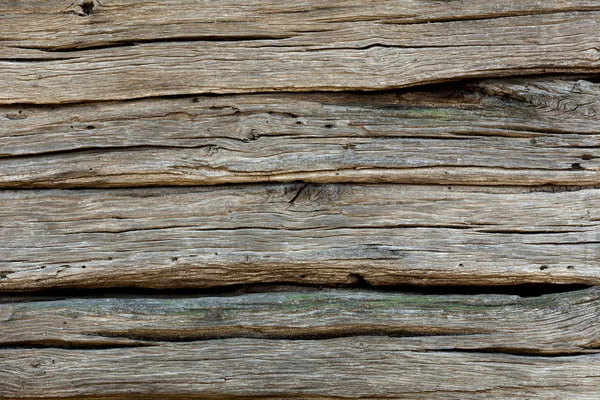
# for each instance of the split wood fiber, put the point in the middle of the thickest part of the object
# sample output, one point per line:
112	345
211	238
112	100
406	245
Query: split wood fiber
527	132
59	52
323	344
239	199
297	233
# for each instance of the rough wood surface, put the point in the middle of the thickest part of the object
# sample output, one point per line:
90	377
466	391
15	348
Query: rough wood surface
362	367
30	23
516	132
299	233
61	51
554	324
482	182
303	345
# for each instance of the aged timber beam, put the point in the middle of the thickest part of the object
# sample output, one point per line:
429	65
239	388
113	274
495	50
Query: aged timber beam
558	324
358	367
68	24
102	55
355	344
493	132
297	233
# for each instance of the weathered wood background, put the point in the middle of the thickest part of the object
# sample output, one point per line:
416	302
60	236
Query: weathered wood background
312	199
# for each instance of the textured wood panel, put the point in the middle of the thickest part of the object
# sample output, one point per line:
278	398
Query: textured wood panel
431	346
298	233
121	51
338	368
29	23
515	132
555	324
476	183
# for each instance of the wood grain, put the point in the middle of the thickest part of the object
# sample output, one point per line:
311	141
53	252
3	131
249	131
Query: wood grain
69	55
239	142
30	23
558	324
302	345
368	367
297	233
494	132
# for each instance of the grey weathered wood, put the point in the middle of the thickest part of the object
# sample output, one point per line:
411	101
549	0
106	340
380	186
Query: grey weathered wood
42	24
299	233
555	324
361	367
135	74
104	56
430	346
517	132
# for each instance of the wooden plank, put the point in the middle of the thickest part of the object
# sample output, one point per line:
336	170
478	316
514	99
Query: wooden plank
496	132
29	23
88	62
303	345
297	233
361	367
555	324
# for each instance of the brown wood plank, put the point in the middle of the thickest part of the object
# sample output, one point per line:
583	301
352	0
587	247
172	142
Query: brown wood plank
303	345
360	367
116	59
30	23
298	233
514	131
555	324
98	95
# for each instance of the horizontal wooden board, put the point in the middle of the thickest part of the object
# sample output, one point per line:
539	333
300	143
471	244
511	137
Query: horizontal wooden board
298	233
555	324
59	52
514	131
303	344
489	182
30	23
363	367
